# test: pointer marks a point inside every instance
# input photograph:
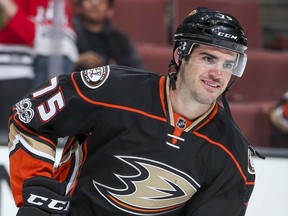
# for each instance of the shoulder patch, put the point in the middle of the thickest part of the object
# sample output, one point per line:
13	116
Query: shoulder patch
24	110
95	77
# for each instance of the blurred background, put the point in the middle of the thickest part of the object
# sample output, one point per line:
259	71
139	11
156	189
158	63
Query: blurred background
60	36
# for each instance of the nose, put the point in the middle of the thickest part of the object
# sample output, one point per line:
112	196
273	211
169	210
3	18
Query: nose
216	70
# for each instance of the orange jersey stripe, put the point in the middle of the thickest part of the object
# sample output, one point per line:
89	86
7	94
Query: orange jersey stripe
113	105
210	117
250	183
32	132
28	168
161	93
226	150
143	210
62	171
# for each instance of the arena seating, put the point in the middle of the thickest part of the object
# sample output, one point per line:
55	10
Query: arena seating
265	77
149	21
143	21
246	11
156	57
253	120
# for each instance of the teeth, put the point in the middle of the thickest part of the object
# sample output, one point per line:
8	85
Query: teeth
212	85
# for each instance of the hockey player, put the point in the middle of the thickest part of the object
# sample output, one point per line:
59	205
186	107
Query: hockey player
139	143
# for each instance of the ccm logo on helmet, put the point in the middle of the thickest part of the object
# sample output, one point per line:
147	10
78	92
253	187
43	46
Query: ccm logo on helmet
50	203
226	35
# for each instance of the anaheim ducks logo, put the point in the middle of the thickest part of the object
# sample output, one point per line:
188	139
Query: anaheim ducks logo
155	189
95	77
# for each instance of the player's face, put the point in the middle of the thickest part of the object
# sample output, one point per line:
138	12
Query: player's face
206	74
96	10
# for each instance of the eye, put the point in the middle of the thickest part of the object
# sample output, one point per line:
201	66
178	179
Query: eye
209	59
228	66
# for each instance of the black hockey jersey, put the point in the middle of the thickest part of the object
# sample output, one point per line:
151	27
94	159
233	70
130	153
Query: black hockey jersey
128	153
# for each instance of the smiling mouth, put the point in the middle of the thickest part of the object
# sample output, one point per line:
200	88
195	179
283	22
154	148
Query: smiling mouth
211	84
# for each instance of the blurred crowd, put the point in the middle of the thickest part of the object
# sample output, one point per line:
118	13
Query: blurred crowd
40	39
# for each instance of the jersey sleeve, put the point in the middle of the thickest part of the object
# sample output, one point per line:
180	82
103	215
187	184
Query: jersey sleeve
49	112
226	191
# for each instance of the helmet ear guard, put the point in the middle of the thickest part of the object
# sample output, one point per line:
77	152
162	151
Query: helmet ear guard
183	49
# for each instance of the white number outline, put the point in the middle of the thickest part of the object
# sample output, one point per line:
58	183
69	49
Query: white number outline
46	90
53	105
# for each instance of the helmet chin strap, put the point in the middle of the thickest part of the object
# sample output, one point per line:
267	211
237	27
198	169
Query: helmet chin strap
172	74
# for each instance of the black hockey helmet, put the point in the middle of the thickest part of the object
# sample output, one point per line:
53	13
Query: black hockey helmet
213	28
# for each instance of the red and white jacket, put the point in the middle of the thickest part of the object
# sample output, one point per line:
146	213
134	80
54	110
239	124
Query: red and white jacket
29	33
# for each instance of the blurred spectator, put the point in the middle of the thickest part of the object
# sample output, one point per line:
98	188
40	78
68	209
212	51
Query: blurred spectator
98	42
16	56
26	32
279	123
55	40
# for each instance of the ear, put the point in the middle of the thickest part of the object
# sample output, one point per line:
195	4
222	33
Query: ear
176	57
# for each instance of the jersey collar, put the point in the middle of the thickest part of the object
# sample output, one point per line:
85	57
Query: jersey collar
199	122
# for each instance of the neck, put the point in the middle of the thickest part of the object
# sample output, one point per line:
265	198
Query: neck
186	106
